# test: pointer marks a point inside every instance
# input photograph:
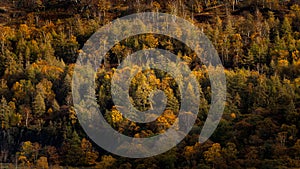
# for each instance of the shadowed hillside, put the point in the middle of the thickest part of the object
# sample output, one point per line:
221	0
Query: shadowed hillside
258	42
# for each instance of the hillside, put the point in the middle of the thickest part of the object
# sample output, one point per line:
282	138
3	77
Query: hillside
258	43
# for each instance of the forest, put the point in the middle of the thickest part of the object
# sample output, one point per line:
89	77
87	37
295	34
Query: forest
258	42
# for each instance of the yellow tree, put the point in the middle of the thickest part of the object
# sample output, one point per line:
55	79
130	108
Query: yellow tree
24	31
155	6
30	151
23	91
42	163
213	154
237	48
164	121
103	6
149	41
190	153
106	162
90	156
6	33
118	50
114	117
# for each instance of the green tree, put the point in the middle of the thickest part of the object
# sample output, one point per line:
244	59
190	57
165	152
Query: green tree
8	115
39	107
74	157
229	153
4	113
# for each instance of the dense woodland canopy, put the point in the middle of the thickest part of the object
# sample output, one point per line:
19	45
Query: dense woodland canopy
258	42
